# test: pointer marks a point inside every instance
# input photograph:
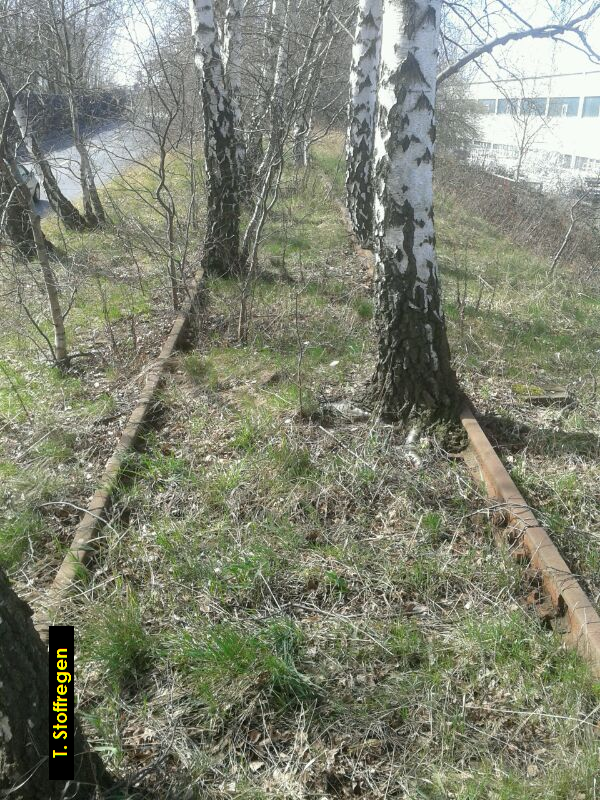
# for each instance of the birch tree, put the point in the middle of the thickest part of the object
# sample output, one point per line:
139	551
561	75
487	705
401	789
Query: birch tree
232	58
477	21
361	118
413	370
76	30
61	205
25	229
221	242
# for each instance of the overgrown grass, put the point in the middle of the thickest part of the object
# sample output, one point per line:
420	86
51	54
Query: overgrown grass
285	606
517	334
223	660
321	618
59	428
116	640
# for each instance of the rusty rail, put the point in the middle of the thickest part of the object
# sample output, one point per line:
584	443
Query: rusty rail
580	620
87	533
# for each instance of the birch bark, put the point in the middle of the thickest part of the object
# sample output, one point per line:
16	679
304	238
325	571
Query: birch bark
27	223
221	243
58	202
361	118
232	57
413	371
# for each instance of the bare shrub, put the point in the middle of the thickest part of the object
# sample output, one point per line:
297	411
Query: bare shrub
530	218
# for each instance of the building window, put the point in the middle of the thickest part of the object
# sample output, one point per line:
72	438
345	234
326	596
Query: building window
565	161
506	149
488	106
534	105
563	106
506	106
591	106
581	162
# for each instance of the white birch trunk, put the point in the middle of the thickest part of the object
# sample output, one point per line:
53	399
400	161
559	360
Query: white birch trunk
361	118
273	155
221	243
59	203
24	206
413	370
232	58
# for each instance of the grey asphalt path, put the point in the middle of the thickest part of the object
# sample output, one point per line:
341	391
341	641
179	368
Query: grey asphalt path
113	149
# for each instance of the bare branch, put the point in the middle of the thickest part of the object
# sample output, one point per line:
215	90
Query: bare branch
542	32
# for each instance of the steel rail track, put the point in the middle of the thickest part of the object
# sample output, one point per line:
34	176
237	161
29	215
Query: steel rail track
87	533
573	613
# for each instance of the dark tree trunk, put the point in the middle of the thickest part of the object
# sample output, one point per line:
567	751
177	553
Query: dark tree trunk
24	228
58	202
222	237
413	371
24	714
14	211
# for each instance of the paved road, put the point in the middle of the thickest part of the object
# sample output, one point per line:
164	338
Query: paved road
113	148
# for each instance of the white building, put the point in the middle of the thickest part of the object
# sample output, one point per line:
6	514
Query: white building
547	126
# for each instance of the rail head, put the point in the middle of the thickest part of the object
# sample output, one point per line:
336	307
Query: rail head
580	620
